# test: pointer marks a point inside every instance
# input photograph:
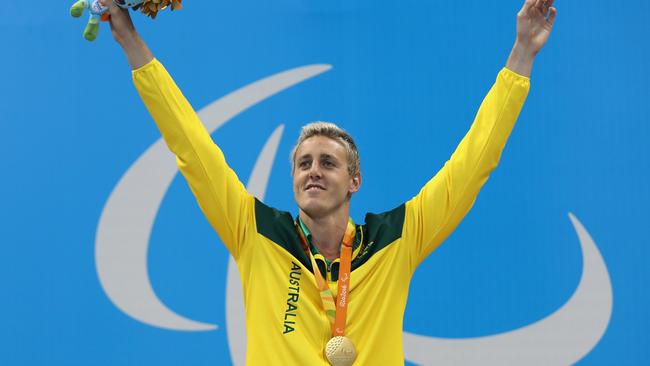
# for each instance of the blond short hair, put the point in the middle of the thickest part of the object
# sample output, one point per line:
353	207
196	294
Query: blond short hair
335	133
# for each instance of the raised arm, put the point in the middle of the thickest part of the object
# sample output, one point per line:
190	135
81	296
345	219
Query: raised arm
221	196
443	202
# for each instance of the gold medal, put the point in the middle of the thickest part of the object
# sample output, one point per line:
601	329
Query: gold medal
340	351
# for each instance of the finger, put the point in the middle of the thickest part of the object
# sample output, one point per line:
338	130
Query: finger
546	4
112	7
535	8
551	17
106	3
109	5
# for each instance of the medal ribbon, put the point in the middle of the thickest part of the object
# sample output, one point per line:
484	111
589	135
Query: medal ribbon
336	311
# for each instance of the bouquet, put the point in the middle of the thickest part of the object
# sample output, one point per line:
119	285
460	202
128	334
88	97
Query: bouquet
99	12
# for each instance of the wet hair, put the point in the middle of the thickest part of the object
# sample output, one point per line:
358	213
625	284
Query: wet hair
335	133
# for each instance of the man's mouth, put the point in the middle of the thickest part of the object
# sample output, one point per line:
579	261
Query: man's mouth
314	187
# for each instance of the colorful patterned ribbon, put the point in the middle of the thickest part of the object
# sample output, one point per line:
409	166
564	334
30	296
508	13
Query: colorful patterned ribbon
336	311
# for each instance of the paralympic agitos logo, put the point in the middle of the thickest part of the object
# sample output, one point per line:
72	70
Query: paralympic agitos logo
561	338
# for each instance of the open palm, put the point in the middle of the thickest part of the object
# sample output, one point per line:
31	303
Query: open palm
534	23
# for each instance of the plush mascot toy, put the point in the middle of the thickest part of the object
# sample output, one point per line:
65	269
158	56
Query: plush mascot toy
99	12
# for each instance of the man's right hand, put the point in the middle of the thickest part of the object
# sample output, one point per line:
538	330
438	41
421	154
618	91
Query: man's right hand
123	30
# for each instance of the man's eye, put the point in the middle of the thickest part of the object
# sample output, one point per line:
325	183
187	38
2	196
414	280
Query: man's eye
303	164
328	164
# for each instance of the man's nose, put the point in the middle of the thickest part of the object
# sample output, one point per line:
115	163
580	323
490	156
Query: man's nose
314	171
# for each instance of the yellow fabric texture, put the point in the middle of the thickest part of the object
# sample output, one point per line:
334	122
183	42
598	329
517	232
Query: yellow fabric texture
285	322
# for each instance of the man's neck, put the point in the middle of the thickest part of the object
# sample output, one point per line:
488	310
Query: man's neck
327	232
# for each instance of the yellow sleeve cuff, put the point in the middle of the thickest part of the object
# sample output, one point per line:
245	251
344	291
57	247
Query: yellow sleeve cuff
146	66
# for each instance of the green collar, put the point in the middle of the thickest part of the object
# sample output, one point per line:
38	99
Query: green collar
328	268
312	247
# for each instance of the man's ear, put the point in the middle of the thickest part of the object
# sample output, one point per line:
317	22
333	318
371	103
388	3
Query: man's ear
356	183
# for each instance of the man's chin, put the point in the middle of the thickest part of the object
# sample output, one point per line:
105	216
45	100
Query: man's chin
313	209
313	212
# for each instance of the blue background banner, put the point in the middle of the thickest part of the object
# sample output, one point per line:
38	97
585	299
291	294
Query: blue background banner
406	79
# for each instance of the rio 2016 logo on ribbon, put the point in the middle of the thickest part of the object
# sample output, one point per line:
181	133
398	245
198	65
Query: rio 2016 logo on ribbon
561	338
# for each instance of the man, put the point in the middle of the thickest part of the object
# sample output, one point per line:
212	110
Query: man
320	281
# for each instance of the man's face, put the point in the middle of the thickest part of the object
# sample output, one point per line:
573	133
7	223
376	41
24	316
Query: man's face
321	182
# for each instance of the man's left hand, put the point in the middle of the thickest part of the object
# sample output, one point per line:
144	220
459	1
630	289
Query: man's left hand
534	24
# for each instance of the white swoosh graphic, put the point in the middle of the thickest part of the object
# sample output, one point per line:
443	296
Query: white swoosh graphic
561	338
127	219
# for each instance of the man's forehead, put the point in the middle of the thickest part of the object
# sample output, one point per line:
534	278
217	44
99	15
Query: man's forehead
320	146
322	155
